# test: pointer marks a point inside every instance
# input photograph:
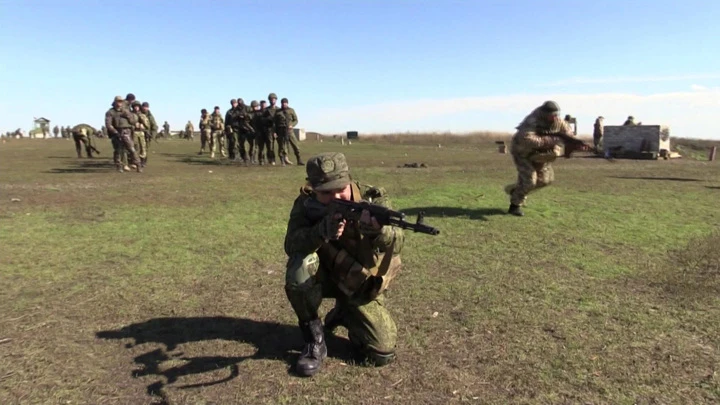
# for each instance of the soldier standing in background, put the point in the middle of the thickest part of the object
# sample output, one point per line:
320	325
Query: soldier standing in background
231	128
189	131
142	123
166	130
257	123
56	131
68	131
62	132
598	130
217	125
151	133
245	132
533	149
269	127
285	121
205	131
119	122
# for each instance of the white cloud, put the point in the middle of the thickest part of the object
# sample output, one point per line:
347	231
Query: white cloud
629	79
697	87
688	113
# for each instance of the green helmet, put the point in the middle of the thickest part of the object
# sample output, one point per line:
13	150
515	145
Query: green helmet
550	106
136	104
254	103
272	95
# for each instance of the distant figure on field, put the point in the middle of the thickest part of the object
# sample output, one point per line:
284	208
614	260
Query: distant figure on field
598	130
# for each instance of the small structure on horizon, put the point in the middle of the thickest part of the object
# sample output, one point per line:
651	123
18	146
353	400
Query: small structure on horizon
352	134
299	133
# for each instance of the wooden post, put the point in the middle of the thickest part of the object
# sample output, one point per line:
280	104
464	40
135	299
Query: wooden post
713	152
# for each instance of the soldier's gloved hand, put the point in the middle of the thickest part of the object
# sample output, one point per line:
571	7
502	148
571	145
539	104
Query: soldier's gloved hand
368	224
332	226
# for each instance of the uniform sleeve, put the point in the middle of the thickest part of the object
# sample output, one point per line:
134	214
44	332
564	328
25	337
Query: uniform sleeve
302	237
293	119
533	141
388	233
109	123
228	120
153	123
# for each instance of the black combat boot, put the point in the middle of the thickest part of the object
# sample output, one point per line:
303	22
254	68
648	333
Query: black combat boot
515	210
315	350
299	161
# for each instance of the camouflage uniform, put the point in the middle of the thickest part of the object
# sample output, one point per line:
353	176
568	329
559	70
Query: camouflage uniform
257	123
119	122
598	131
533	149
267	136
56	131
285	121
166	130
189	131
217	125
140	127
231	130
205	132
350	269
245	131
63	133
80	135
152	131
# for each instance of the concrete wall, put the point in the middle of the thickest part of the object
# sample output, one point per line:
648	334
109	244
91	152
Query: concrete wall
299	133
630	138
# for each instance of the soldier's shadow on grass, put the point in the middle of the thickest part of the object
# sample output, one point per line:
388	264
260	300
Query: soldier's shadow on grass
85	165
471	213
272	340
713	187
654	178
205	160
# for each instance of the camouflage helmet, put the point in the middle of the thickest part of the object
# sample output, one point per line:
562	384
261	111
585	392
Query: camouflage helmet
118	99
240	101
271	96
550	106
233	101
146	104
204	111
284	100
254	103
130	97
136	104
327	171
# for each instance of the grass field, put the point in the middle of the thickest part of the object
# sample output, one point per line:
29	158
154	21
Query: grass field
166	287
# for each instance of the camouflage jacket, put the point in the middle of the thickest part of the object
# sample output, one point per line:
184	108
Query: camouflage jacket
303	235
268	119
117	119
598	128
244	116
216	122
204	124
230	120
286	118
257	121
532	137
143	122
153	124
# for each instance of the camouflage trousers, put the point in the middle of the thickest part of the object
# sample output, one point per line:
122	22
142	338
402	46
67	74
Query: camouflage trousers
286	137
140	144
123	143
370	326
217	139
596	139
204	139
84	140
531	176
265	146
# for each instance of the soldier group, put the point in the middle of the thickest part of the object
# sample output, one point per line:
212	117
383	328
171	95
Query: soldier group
131	128
249	133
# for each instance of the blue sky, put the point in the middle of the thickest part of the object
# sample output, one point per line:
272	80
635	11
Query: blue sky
370	66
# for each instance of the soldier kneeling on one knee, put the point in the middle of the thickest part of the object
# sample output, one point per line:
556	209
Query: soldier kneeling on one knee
352	262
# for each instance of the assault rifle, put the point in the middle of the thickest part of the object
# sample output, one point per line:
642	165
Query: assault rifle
351	211
573	144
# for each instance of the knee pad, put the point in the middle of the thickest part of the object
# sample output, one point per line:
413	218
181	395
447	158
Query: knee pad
301	270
